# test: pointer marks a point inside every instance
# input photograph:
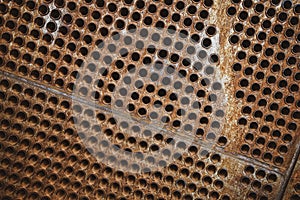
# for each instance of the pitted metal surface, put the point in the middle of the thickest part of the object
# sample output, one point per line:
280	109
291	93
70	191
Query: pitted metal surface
132	99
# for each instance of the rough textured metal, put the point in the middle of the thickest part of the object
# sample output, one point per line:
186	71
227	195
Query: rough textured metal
71	70
292	191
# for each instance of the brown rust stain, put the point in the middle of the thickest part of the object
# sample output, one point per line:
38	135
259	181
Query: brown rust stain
227	53
292	191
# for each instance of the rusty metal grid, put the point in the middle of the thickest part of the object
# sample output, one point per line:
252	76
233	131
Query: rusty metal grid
134	99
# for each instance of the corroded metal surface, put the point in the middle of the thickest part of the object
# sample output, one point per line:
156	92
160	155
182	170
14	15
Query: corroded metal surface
149	99
293	188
